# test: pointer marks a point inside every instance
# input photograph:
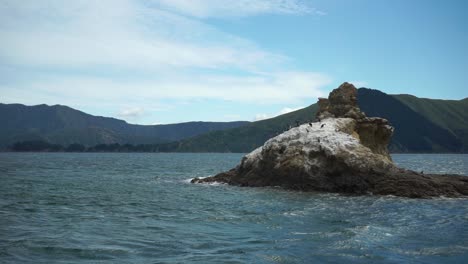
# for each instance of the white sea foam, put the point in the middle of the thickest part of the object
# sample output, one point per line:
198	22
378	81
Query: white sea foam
190	179
214	183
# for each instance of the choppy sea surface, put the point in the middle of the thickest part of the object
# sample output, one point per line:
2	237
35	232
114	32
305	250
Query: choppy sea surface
141	208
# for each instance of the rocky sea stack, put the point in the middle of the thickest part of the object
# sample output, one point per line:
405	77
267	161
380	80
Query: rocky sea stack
343	151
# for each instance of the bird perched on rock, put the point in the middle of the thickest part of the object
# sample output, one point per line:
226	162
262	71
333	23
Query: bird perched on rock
322	125
310	124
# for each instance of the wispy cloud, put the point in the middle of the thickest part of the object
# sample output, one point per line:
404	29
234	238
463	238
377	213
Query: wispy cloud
262	116
132	113
283	111
130	33
289	110
274	88
228	8
126	53
117	34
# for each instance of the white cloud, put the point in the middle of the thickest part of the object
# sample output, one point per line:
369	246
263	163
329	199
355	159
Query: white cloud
289	110
259	117
120	34
131	113
113	54
283	111
239	8
259	89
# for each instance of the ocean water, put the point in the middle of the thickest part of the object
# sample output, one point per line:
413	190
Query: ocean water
140	208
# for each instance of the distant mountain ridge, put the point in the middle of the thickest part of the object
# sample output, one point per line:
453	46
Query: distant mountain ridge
449	114
421	126
416	128
414	132
64	125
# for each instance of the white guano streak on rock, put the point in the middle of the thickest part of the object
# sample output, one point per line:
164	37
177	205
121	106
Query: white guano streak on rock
326	136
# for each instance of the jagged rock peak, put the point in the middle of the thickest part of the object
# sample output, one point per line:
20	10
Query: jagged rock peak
342	102
374	133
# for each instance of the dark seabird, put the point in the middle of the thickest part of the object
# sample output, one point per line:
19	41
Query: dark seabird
322	125
310	124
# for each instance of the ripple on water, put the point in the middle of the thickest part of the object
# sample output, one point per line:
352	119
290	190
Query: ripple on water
140	208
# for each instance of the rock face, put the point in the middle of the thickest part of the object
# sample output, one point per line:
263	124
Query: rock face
374	133
342	102
344	151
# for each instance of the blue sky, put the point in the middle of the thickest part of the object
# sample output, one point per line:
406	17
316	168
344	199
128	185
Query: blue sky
169	61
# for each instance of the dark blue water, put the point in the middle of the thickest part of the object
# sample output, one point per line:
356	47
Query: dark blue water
139	208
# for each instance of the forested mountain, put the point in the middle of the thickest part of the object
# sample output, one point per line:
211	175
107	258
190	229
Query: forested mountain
449	114
414	132
64	125
421	125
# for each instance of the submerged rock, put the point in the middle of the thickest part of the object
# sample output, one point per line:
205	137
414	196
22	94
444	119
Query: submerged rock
344	151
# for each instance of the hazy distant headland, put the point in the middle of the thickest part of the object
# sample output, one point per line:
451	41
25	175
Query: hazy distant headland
422	126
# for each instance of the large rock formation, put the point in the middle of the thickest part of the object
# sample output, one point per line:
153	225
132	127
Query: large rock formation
344	151
342	102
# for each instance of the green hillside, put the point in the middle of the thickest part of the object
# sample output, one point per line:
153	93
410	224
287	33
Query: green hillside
421	126
414	131
245	138
64	125
449	114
